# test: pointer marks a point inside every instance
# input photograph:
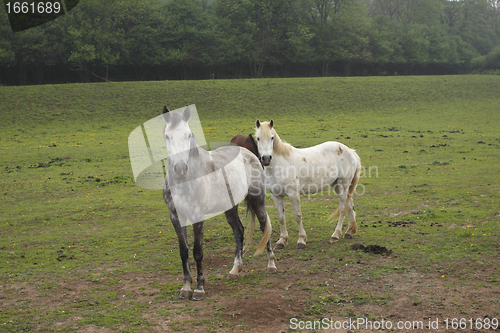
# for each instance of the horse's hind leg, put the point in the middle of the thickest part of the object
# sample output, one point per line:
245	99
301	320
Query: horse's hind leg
297	213
199	292
271	265
341	190
353	227
279	202
234	221
259	209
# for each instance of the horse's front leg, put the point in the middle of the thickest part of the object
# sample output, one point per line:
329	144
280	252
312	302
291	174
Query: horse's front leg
198	228
181	232
279	202
297	213
238	232
186	291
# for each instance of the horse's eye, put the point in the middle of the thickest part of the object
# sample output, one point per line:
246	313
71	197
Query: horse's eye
167	137
258	139
272	138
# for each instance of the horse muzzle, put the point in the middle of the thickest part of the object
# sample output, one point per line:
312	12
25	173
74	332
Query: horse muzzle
181	169
266	160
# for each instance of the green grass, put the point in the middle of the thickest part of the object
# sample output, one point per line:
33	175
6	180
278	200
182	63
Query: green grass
73	218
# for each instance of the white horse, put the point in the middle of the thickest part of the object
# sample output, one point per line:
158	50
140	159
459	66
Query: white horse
291	172
200	183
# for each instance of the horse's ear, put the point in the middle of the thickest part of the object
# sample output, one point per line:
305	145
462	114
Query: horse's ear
257	123
166	114
271	123
187	113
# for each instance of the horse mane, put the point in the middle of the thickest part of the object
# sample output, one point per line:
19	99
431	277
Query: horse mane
281	147
254	144
194	150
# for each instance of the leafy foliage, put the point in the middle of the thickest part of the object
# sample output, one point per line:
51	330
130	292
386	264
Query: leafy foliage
191	39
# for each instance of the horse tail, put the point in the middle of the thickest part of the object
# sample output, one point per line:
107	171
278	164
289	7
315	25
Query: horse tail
266	235
350	192
334	215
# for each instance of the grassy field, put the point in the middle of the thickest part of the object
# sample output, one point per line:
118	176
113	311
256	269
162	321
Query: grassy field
82	248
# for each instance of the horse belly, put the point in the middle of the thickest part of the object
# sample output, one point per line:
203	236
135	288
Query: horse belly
318	179
298	181
277	186
196	198
313	187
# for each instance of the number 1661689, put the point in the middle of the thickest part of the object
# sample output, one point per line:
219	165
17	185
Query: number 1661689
33	8
478	324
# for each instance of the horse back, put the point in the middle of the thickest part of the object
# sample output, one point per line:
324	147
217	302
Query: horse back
245	160
244	172
330	156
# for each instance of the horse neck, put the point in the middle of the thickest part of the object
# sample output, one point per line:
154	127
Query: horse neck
281	148
198	158
252	145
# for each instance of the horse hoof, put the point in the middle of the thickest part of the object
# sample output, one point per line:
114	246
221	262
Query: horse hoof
185	294
334	239
348	236
271	270
232	276
198	296
279	246
300	245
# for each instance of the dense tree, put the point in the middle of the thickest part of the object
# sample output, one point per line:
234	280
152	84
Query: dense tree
264	33
491	61
188	39
7	54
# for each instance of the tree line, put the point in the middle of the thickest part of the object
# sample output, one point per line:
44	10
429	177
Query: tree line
113	40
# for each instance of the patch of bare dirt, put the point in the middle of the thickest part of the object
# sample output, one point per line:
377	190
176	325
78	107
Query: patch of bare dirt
309	288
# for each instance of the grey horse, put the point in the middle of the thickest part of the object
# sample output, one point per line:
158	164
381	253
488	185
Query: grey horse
199	183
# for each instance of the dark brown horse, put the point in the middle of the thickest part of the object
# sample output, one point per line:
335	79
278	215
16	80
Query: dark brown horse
246	141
